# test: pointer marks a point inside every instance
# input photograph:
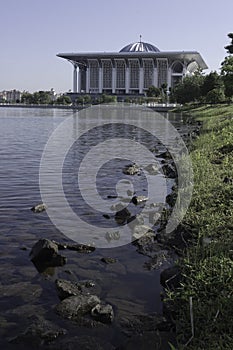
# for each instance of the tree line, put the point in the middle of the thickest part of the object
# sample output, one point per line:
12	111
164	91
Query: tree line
211	88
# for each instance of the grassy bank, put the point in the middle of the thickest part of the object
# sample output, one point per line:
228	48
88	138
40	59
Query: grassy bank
204	302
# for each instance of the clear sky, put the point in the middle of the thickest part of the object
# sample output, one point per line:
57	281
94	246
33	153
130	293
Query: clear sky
34	31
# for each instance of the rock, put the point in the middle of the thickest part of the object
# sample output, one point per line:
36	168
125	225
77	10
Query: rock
131	169
169	171
139	199
154	217
152	169
39	208
45	254
39	332
165	155
112	236
81	248
109	260
106	216
77	306
78	247
147	244
103	313
122	216
170	277
67	289
135	220
142	230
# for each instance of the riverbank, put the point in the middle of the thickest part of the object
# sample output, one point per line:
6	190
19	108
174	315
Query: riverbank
202	305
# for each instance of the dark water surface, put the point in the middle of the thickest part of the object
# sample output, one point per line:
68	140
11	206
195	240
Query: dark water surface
24	292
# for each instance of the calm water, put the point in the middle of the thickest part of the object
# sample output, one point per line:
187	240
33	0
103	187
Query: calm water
127	285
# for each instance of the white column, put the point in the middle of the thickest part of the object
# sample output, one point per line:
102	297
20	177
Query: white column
113	80
75	79
79	79
127	80
169	78
155	77
141	80
100	80
87	80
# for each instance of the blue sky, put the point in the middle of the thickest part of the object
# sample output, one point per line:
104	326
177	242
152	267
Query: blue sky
34	31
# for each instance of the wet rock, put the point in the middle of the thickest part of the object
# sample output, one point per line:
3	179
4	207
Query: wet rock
112	236
78	247
39	332
132	169
147	244
122	215
152	169
154	217
141	231
135	220
109	260
103	313
165	155
106	216
169	171
157	260
45	254
76	306
170	277
67	289
139	199
39	208
171	199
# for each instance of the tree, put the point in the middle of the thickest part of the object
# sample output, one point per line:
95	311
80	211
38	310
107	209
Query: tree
211	81
227	70
215	96
153	91
189	90
63	100
229	48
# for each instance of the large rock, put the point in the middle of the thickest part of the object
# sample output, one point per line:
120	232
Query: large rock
45	254
39	208
77	306
103	313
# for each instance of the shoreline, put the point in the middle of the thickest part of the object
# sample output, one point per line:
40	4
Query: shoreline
201	304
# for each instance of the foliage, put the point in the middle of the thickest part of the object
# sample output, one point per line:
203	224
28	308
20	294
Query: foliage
229	48
227	75
189	89
211	81
215	96
153	91
63	100
39	97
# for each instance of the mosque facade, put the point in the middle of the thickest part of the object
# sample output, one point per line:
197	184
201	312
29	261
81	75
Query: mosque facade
132	70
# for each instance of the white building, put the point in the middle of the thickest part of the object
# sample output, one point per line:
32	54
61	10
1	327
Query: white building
132	70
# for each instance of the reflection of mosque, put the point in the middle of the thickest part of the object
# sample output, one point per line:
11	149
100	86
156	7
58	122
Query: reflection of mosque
132	70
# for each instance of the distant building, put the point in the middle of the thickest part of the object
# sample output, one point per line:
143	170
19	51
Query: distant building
132	70
11	96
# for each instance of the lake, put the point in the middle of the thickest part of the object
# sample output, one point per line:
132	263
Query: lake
128	285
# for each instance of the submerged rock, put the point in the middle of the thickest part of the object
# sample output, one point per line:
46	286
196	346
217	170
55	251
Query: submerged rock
103	313
39	208
39	332
152	169
109	260
169	171
76	306
67	289
45	254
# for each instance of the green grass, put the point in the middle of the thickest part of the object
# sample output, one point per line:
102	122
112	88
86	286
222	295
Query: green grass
208	264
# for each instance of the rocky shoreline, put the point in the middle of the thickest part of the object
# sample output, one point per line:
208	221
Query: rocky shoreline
80	302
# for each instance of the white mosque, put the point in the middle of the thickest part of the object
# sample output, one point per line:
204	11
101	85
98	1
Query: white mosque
132	70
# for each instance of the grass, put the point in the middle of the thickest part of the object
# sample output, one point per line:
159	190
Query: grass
207	266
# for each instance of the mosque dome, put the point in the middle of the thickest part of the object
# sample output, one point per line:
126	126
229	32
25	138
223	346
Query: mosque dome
140	47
